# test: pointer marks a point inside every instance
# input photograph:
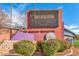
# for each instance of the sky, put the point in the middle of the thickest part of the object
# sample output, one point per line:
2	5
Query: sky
70	12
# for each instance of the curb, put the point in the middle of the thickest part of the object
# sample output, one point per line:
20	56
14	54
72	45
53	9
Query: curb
71	52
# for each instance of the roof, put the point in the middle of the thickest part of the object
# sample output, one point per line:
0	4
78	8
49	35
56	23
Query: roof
69	31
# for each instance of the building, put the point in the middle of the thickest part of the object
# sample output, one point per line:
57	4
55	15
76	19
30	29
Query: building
69	35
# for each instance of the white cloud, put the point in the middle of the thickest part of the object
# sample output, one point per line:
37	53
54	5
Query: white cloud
76	31
66	26
61	7
21	7
17	16
73	26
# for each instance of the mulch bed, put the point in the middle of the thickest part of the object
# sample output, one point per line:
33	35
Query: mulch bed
38	53
63	53
57	54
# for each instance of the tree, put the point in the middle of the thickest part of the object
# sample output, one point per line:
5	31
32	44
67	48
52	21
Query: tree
4	19
77	36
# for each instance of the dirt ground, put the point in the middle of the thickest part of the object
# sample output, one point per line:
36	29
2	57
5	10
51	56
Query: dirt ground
5	33
75	51
63	53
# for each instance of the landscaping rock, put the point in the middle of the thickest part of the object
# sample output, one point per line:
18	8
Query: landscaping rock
6	46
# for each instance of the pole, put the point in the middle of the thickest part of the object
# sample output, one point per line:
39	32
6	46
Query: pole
10	20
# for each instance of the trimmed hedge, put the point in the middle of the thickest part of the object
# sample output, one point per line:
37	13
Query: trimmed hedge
64	45
25	47
50	47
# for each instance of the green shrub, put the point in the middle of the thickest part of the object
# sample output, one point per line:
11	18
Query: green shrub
64	45
50	47
25	47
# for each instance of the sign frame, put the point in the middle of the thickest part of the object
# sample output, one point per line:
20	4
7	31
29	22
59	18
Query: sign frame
28	20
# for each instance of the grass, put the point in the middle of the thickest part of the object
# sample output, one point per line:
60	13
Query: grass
76	44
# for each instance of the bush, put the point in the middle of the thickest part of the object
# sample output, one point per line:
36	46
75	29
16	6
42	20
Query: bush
64	45
50	47
25	47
